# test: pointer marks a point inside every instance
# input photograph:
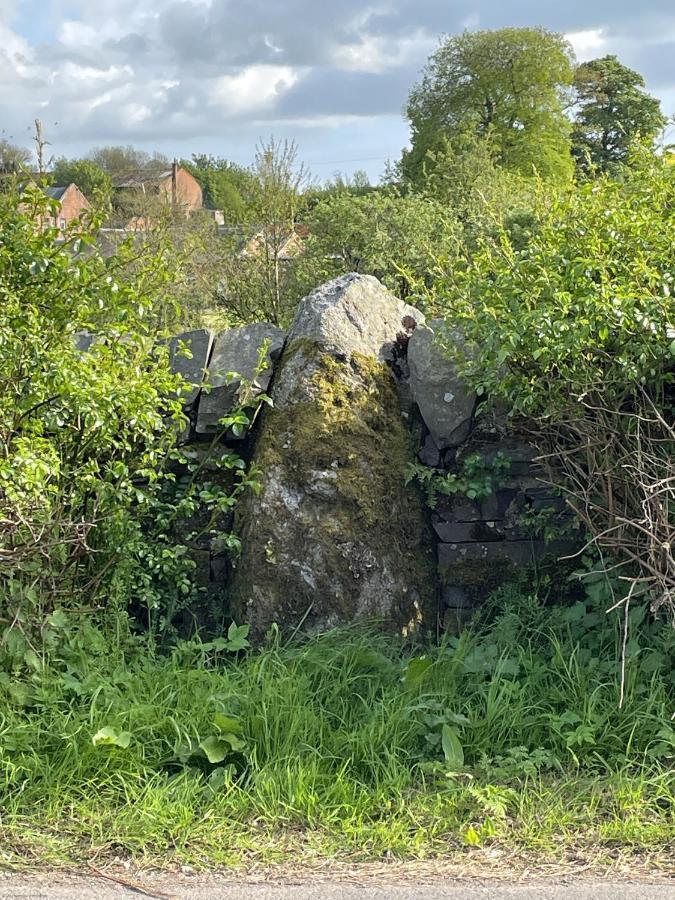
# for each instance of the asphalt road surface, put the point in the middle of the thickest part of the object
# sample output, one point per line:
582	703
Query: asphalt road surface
86	887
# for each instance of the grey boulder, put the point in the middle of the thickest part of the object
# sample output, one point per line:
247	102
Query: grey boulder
334	535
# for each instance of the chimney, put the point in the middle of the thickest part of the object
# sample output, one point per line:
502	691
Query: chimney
174	184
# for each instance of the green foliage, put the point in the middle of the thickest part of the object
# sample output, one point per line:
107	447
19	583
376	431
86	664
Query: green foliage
88	488
193	500
586	305
117	159
507	85
395	238
256	265
226	186
613	110
575	332
94	182
345	744
465	175
477	478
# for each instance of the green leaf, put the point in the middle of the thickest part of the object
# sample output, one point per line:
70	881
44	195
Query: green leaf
452	748
472	837
227	724
58	619
109	736
235	742
236	637
215	749
416	670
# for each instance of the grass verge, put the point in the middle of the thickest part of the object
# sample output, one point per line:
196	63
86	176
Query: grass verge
346	746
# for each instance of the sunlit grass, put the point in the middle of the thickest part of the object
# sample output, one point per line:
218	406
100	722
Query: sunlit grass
342	752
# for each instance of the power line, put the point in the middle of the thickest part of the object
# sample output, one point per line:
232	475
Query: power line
336	162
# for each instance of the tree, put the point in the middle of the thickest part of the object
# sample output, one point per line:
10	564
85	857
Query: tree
119	160
91	179
12	158
510	85
380	233
226	186
613	110
278	182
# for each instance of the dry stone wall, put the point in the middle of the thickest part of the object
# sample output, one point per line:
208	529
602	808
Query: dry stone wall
361	391
479	542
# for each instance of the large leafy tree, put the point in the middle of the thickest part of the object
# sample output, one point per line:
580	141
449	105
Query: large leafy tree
92	180
510	85
120	160
613	111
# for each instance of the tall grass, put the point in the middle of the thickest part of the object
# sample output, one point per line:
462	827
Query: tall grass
346	743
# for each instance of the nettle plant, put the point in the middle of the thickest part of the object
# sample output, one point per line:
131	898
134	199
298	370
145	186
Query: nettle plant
575	333
87	439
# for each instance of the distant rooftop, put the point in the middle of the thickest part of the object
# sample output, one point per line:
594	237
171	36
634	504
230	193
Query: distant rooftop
56	193
140	177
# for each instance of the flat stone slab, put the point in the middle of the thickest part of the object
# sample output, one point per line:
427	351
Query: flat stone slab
519	553
444	400
235	353
189	354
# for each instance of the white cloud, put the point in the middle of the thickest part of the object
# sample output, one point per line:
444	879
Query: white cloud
377	54
587	44
252	89
90	75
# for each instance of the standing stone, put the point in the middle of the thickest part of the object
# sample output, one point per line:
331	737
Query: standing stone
334	535
445	402
189	354
236	351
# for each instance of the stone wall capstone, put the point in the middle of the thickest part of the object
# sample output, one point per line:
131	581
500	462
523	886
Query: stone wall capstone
334	535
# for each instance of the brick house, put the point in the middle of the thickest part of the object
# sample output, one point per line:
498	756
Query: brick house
289	247
175	186
72	205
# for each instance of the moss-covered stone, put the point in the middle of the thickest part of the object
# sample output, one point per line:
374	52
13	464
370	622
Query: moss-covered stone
334	535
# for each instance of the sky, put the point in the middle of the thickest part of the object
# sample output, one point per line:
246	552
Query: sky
215	76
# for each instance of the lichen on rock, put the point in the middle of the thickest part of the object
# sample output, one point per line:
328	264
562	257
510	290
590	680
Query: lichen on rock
334	536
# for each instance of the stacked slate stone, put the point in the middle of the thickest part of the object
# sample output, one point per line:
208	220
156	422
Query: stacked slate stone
208	362
479	543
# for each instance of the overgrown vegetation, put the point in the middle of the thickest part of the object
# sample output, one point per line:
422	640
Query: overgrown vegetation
574	332
345	745
89	494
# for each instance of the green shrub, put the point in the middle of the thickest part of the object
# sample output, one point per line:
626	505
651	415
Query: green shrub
575	332
395	238
87	452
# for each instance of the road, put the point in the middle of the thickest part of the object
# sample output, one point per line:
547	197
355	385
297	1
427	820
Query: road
86	887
